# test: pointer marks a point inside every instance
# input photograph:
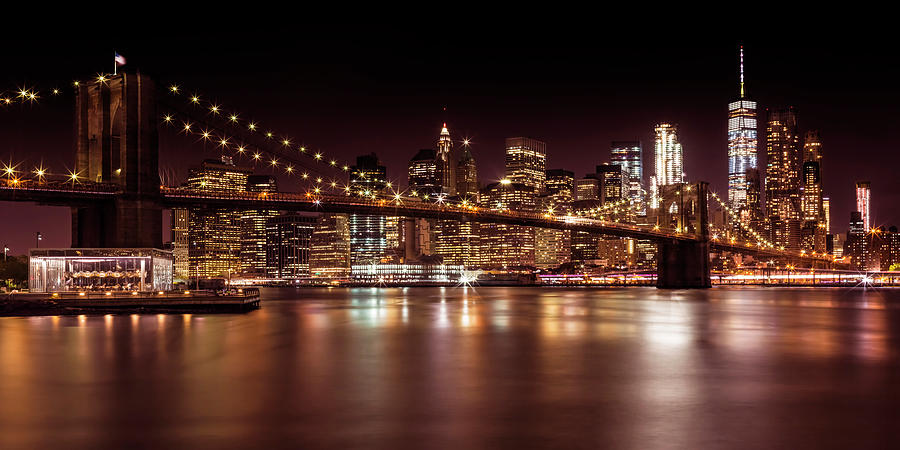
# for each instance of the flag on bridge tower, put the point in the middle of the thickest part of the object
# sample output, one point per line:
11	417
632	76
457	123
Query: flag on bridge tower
120	61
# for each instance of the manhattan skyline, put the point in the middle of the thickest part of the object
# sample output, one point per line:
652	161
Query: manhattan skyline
349	97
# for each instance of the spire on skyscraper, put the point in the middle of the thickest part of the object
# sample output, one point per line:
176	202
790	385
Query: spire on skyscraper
742	71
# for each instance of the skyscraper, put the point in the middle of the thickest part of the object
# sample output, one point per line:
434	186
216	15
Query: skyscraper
783	165
526	162
368	233
611	183
863	199
253	229
826	210
329	254
553	247
446	162
288	239
214	234
424	176
467	175
505	245
669	156
629	155
742	144
811	197
180	244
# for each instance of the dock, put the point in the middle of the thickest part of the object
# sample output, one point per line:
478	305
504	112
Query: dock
196	301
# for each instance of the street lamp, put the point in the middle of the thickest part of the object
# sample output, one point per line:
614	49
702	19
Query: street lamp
5	251
37	239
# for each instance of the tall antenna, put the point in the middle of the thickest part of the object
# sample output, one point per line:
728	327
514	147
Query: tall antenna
742	71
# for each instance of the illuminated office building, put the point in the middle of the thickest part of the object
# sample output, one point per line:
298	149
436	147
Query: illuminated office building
467	176
629	156
526	162
504	245
423	174
811	197
752	212
855	247
783	178
783	165
587	188
742	144
611	183
863	200
669	156
329	253
826	211
214	234
180	244
560	182
368	233
288	242
554	247
458	242
253	229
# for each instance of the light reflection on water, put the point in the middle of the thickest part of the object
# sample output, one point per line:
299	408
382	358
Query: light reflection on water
464	367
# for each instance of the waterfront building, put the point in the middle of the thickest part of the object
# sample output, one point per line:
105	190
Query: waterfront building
180	244
855	244
458	243
615	253
99	269
554	247
329	254
214	234
742	144
288	243
253	229
863	201
407	273
504	245
368	233
629	156
526	162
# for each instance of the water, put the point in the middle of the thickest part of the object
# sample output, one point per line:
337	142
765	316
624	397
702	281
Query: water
465	368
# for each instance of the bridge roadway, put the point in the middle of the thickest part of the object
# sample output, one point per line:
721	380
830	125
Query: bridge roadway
68	194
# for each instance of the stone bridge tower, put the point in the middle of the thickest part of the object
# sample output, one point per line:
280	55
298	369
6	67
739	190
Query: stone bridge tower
117	141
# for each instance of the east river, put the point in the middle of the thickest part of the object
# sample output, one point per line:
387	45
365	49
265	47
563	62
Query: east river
460	368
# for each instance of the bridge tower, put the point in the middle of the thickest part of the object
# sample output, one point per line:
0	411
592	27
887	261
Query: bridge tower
684	264
117	141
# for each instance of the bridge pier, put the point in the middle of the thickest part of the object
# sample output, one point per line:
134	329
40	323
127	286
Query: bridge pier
117	141
682	265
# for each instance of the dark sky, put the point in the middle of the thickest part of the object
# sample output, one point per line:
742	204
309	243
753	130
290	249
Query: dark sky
356	89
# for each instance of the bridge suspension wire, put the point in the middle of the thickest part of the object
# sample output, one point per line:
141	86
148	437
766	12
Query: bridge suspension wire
247	140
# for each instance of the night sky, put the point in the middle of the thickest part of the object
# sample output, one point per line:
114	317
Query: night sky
352	90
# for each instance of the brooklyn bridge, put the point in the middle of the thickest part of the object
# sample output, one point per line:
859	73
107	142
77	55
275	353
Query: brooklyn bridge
117	199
